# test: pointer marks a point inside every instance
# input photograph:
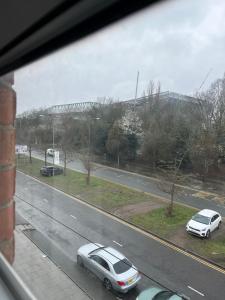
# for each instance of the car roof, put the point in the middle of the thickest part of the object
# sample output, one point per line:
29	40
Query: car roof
207	212
47	167
110	254
153	291
50	167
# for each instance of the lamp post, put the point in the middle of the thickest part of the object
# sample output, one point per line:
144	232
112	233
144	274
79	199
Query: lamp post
88	161
89	133
53	141
53	145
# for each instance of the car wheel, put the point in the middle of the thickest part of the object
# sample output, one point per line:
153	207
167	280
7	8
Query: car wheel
219	225
80	261
107	284
208	234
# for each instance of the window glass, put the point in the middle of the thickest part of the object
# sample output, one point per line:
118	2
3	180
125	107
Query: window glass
129	123
122	266
164	295
96	259
201	219
104	264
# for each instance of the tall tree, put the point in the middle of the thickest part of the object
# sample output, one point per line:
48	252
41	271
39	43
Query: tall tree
117	143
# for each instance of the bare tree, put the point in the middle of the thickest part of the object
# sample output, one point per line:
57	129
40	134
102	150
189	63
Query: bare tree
208	143
67	139
117	143
85	157
204	152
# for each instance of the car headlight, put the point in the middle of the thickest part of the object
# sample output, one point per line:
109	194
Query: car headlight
204	229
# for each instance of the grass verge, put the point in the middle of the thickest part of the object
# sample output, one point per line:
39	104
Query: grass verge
214	248
102	193
157	222
173	229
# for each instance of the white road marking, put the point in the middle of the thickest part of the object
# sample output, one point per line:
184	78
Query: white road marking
73	217
191	288
45	200
118	243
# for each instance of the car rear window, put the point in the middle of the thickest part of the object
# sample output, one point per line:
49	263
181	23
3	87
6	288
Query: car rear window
164	295
122	266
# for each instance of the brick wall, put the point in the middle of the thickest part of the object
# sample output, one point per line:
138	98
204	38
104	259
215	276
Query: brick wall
7	166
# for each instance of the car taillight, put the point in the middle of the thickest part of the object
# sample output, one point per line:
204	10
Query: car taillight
121	283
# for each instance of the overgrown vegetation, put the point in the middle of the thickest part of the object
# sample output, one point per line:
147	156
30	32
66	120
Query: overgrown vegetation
158	130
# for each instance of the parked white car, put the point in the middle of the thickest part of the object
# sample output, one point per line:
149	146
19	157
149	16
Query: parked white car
50	152
204	222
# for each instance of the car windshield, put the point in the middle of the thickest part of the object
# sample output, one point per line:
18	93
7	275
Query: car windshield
122	266
201	219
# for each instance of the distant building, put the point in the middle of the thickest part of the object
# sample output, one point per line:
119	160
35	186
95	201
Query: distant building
81	107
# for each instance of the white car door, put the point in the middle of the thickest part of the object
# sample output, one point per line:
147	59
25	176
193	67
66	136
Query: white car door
94	265
214	222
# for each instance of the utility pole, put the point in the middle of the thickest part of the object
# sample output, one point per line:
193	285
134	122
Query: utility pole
136	89
53	144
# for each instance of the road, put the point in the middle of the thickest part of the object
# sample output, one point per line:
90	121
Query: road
144	184
64	223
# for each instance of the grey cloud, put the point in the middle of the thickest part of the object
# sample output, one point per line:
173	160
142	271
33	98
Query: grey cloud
176	43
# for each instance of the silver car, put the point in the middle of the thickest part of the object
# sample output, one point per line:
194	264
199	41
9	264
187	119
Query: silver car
112	267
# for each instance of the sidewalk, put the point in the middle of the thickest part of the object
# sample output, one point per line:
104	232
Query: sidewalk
42	276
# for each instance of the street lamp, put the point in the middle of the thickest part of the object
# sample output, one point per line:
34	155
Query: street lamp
53	140
89	133
53	143
88	161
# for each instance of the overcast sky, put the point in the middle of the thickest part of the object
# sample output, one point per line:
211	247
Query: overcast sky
177	43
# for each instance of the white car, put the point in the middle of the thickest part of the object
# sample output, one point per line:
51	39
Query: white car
204	222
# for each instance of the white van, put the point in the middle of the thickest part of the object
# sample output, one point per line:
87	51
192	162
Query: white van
50	152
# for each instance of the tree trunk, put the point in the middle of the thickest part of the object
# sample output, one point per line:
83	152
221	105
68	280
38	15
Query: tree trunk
65	158
30	157
170	207
118	160
88	174
45	157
